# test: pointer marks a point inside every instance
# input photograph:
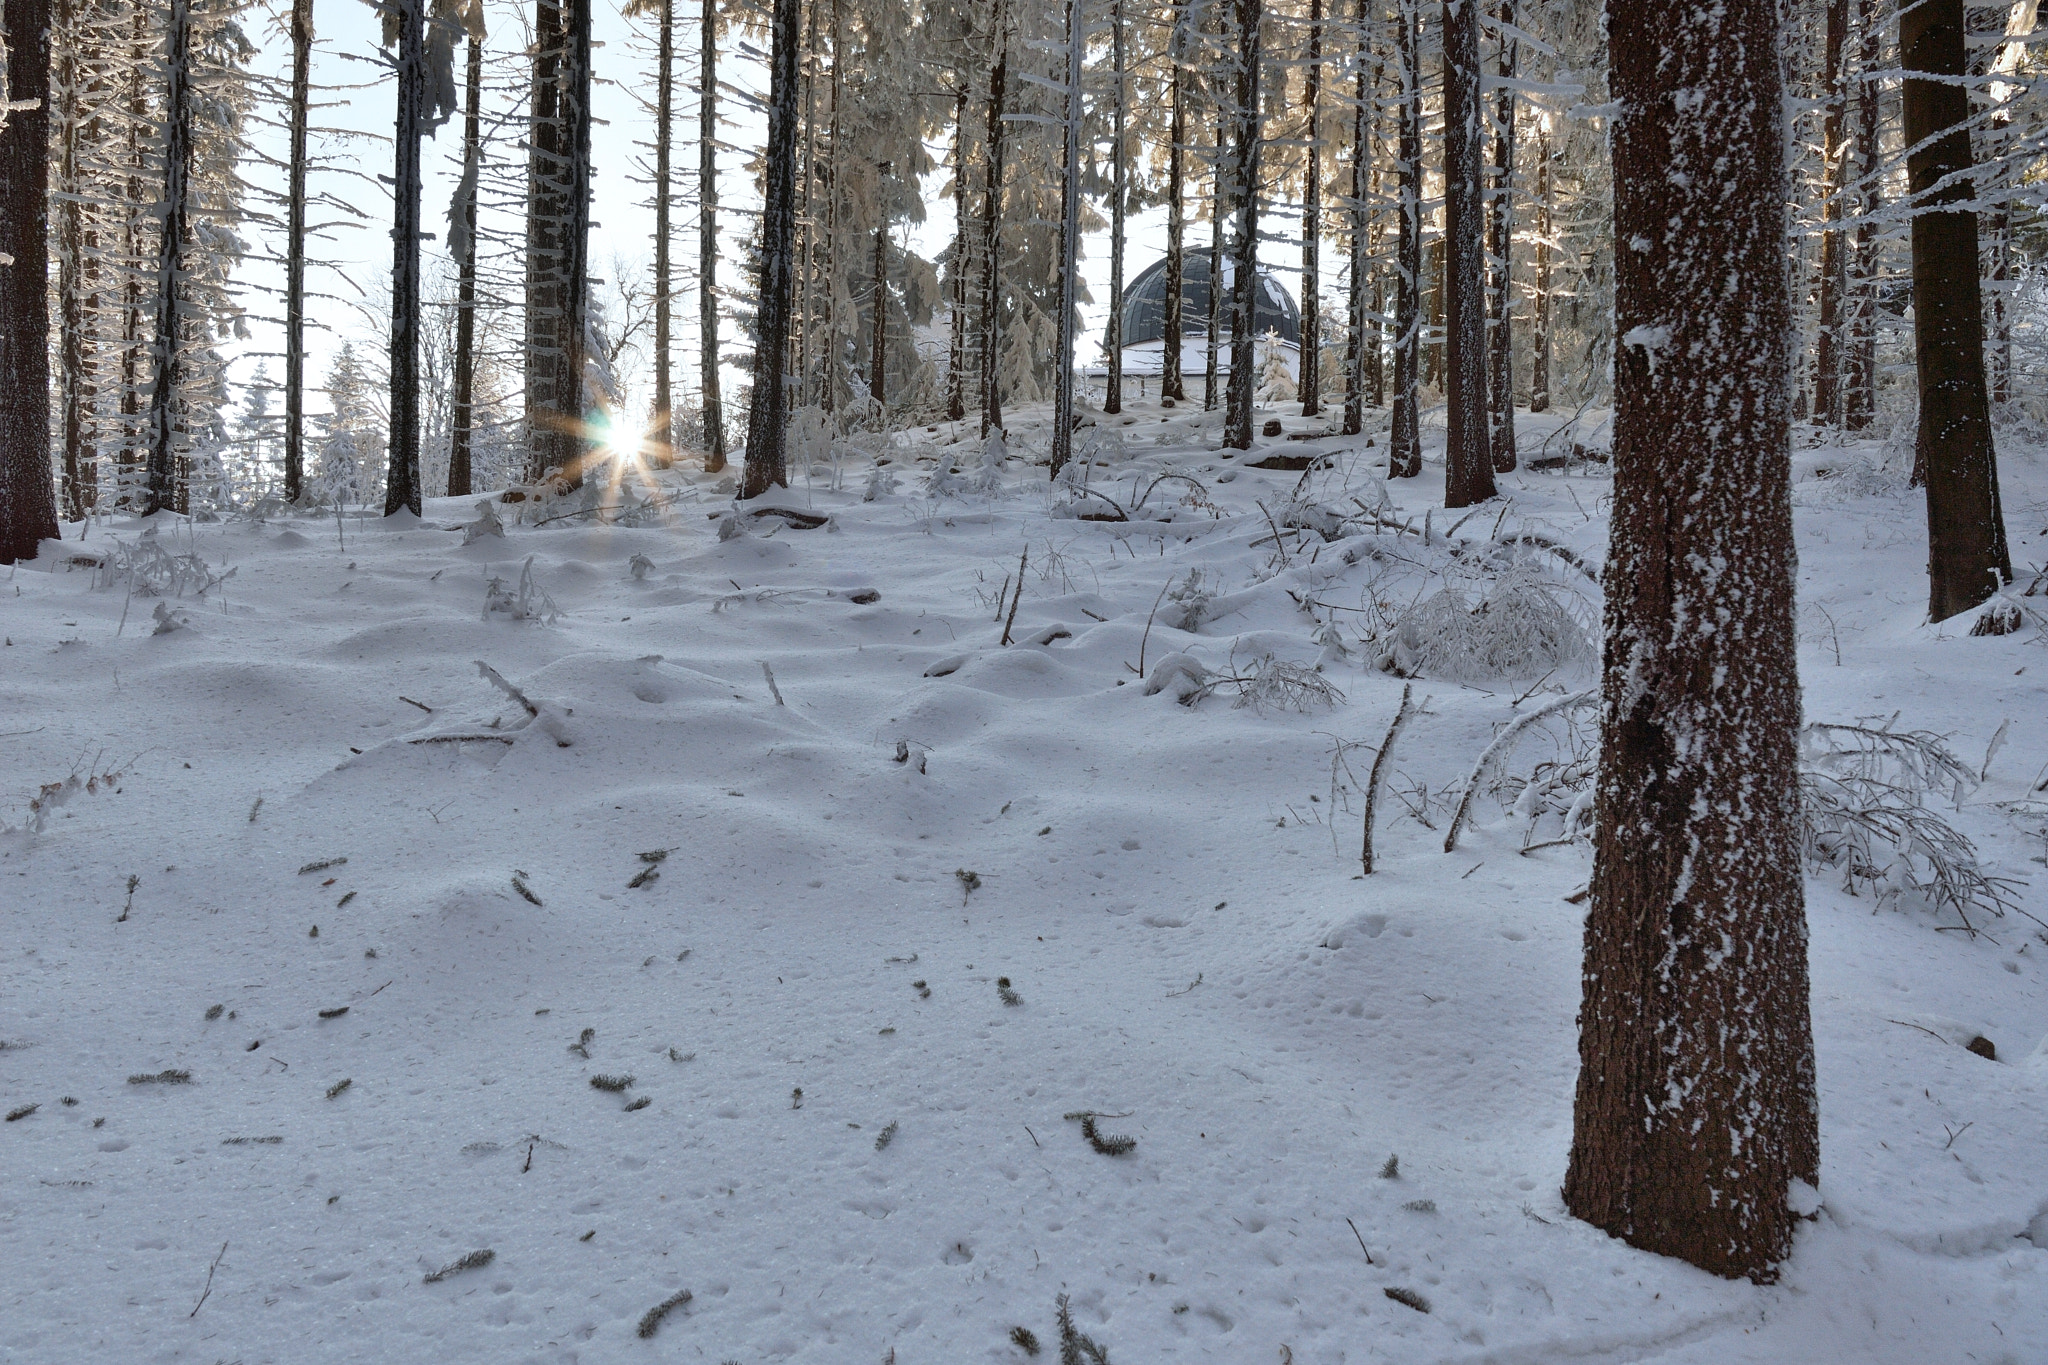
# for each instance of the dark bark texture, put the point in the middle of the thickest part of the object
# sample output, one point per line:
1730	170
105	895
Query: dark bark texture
1468	450
1404	438
1246	136
768	411
28	511
1695	1106
1967	558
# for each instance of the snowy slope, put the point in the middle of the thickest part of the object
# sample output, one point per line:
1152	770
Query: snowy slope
1171	892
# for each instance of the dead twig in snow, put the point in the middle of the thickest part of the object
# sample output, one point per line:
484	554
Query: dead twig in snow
216	1265
1379	764
1503	745
1018	595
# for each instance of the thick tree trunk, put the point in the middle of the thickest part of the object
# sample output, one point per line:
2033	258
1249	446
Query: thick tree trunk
1500	250
28	512
1113	396
1246	136
807	223
295	256
992	233
709	385
1967	558
768	411
1539	332
462	426
1311	386
1070	241
1404	439
1695	1108
167	351
664	414
1834	260
1468	452
402	472
1172	384
956	350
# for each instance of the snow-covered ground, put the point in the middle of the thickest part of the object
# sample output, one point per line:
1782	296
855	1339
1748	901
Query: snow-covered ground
843	1135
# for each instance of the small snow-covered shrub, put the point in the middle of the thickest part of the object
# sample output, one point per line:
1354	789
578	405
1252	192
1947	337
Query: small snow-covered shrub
528	602
1282	686
145	567
1518	629
1864	797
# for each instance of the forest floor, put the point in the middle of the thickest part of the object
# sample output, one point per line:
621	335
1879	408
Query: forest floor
312	971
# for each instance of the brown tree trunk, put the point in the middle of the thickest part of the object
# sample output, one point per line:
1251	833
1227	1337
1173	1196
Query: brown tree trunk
878	310
956	350
1172	384
1404	439
167	350
992	232
76	334
1468	453
708	383
402	470
664	414
1696	1107
28	511
295	256
768	411
461	472
1967	558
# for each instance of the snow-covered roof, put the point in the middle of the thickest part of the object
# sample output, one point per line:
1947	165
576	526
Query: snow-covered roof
1145	302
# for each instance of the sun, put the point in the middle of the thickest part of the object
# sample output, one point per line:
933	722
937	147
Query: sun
622	446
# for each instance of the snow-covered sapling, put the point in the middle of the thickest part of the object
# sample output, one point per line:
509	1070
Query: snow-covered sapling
1009	997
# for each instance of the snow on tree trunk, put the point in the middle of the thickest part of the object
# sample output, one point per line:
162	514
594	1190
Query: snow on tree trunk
1404	440
1246	135
1859	364
1119	194
28	513
1834	260
1500	250
1539	332
1967	558
1468	455
1361	334
1311	372
543	234
301	27
878	314
1695	1108
768	412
